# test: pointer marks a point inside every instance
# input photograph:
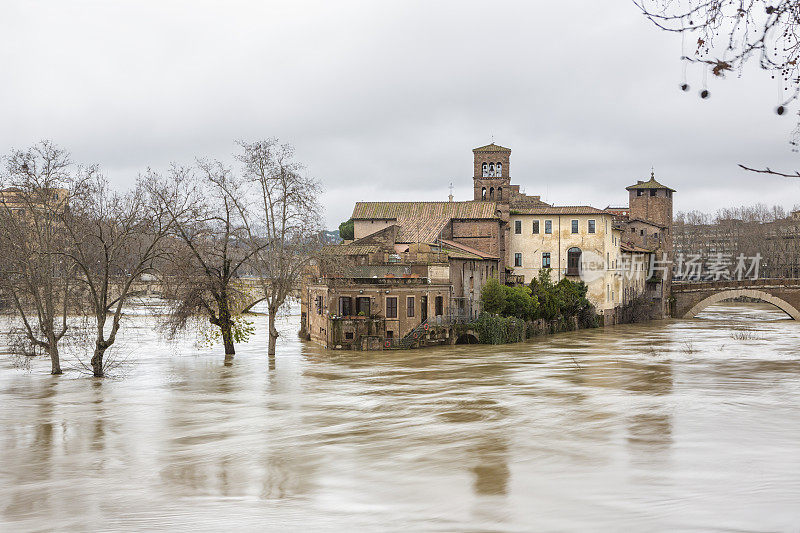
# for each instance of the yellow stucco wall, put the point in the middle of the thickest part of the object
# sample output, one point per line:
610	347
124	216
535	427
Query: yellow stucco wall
600	252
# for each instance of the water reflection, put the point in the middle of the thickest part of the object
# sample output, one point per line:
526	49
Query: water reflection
642	427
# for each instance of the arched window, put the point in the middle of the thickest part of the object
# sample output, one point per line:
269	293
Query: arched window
483	193
491	193
573	261
485	170
491	170
498	168
500	193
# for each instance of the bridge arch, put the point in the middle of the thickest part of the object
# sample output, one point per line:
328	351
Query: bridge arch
467	338
781	304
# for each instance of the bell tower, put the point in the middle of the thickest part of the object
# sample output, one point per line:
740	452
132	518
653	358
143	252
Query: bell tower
492	173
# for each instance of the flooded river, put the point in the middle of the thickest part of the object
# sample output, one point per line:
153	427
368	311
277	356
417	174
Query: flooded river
676	425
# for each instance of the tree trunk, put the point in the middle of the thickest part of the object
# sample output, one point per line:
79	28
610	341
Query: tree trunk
97	362
273	331
227	338
55	359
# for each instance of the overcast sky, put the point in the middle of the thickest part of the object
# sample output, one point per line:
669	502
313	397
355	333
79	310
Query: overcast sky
385	100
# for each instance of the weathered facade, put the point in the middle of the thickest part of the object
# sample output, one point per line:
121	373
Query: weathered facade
425	263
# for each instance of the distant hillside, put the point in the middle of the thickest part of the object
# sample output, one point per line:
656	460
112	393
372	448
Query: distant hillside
331	236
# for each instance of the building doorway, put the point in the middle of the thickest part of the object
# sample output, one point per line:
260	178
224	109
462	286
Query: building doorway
423	308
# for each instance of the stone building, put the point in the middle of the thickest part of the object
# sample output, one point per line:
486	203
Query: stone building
416	263
574	242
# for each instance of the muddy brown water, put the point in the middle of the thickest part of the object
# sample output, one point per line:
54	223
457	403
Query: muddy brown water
674	425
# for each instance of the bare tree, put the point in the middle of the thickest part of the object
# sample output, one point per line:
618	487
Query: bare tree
729	33
114	239
35	276
212	245
289	221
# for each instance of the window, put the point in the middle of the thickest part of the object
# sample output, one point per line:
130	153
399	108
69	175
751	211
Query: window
485	168
548	226
491	193
319	302
638	192
345	306
652	192
491	170
500	193
348	335
410	306
633	230
574	226
591	226
439	302
573	261
362	305
641	233
517	260
389	334
546	260
518	227
483	193
498	169
655	235
536	227
391	307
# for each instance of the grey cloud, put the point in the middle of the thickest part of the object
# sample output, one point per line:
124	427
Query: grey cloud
385	100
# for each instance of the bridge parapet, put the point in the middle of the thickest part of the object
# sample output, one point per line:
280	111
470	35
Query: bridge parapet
735	284
692	297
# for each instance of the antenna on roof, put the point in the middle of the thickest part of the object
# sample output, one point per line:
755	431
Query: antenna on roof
450	198
492	135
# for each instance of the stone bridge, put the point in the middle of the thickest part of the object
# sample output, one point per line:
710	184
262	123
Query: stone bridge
253	287
692	297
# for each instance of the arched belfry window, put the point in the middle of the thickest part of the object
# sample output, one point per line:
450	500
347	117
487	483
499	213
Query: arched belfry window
485	170
491	170
500	193
498	169
491	193
483	193
573	261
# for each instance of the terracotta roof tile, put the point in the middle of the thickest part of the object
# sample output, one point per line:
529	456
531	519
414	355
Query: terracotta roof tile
350	249
559	210
423	221
650	184
469	249
491	148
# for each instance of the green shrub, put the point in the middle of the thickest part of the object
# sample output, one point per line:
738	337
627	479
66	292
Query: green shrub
495	329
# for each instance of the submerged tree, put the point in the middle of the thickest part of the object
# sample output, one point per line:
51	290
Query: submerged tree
288	223
114	239
213	243
729	33
35	276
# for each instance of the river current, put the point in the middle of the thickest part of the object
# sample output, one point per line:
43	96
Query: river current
676	425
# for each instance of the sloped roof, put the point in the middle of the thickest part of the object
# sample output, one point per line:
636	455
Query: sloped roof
452	253
350	249
423	221
559	210
632	248
463	247
648	222
522	200
650	184
491	148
